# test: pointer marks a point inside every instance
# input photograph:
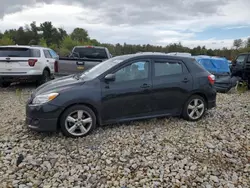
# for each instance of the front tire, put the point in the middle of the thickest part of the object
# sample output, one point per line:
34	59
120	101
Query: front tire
77	121
195	108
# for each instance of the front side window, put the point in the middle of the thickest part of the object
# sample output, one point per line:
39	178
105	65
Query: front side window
47	54
240	59
135	71
53	54
165	68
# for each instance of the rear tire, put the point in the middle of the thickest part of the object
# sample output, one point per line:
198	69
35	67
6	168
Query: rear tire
195	108
45	77
5	84
77	121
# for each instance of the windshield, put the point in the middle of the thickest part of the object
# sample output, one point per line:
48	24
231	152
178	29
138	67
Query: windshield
102	67
84	52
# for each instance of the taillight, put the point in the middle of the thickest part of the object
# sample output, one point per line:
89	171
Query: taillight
211	79
32	62
56	66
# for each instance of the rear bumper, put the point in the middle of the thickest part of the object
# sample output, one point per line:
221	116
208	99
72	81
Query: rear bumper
19	78
211	104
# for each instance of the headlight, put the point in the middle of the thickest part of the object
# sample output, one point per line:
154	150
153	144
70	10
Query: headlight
40	99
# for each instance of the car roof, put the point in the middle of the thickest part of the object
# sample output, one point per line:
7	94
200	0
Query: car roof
24	46
154	54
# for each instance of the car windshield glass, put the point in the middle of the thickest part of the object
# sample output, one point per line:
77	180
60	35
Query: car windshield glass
102	67
98	53
15	52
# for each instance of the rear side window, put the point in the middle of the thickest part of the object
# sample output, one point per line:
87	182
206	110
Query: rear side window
36	53
165	68
47	54
98	53
18	52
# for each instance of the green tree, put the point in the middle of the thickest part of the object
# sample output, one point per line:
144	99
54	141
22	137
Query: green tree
237	43
5	40
80	34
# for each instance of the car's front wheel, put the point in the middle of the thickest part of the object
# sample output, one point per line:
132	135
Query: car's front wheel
77	121
194	108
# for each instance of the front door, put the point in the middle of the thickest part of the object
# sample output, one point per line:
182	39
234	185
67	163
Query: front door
172	84
129	95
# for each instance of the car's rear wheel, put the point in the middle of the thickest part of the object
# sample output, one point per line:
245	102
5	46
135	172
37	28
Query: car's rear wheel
45	77
5	84
194	108
77	121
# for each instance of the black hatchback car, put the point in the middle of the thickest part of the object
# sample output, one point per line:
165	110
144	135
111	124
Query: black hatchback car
123	88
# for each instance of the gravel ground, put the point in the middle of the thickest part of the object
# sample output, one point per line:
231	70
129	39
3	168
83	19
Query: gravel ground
214	152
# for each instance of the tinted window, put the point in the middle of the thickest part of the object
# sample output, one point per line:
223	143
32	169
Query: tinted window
165	68
18	52
134	71
98	53
36	53
248	60
240	59
47	54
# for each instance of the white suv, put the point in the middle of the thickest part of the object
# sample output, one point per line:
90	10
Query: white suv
26	63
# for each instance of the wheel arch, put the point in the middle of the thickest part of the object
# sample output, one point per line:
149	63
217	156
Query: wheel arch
94	109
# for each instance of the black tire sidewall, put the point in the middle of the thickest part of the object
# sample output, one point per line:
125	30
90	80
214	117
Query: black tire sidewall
184	111
43	78
5	84
74	108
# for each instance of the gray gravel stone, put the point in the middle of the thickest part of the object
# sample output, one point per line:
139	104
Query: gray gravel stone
213	152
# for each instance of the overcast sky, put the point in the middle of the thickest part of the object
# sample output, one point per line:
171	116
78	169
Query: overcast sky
213	23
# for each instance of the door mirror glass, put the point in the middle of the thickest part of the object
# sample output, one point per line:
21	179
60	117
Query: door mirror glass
110	77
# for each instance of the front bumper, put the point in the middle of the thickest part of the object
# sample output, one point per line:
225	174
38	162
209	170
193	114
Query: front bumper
43	118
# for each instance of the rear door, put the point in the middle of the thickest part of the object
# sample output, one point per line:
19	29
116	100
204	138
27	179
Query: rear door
172	84
50	61
14	60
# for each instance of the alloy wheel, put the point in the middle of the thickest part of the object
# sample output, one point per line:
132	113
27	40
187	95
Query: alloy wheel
195	109
78	123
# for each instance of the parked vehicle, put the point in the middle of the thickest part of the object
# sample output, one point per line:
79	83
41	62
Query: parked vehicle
241	66
26	63
220	68
81	59
117	91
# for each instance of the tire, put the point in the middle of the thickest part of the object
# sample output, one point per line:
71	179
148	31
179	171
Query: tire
45	77
187	111
5	84
75	127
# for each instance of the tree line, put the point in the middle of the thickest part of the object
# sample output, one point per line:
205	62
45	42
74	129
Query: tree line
62	42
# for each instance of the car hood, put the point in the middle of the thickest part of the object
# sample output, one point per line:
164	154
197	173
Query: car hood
58	85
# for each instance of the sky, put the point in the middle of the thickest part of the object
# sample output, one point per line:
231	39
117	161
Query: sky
213	23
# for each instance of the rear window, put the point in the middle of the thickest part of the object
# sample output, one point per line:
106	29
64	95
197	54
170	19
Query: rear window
19	52
98	53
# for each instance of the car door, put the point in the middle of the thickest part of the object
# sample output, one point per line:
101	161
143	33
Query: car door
129	96
49	60
172	83
238	65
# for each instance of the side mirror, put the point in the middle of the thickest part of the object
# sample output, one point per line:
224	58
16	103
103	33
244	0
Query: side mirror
110	77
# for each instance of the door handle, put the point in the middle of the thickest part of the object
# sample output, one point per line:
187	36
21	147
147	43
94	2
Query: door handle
47	60
185	80
145	86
